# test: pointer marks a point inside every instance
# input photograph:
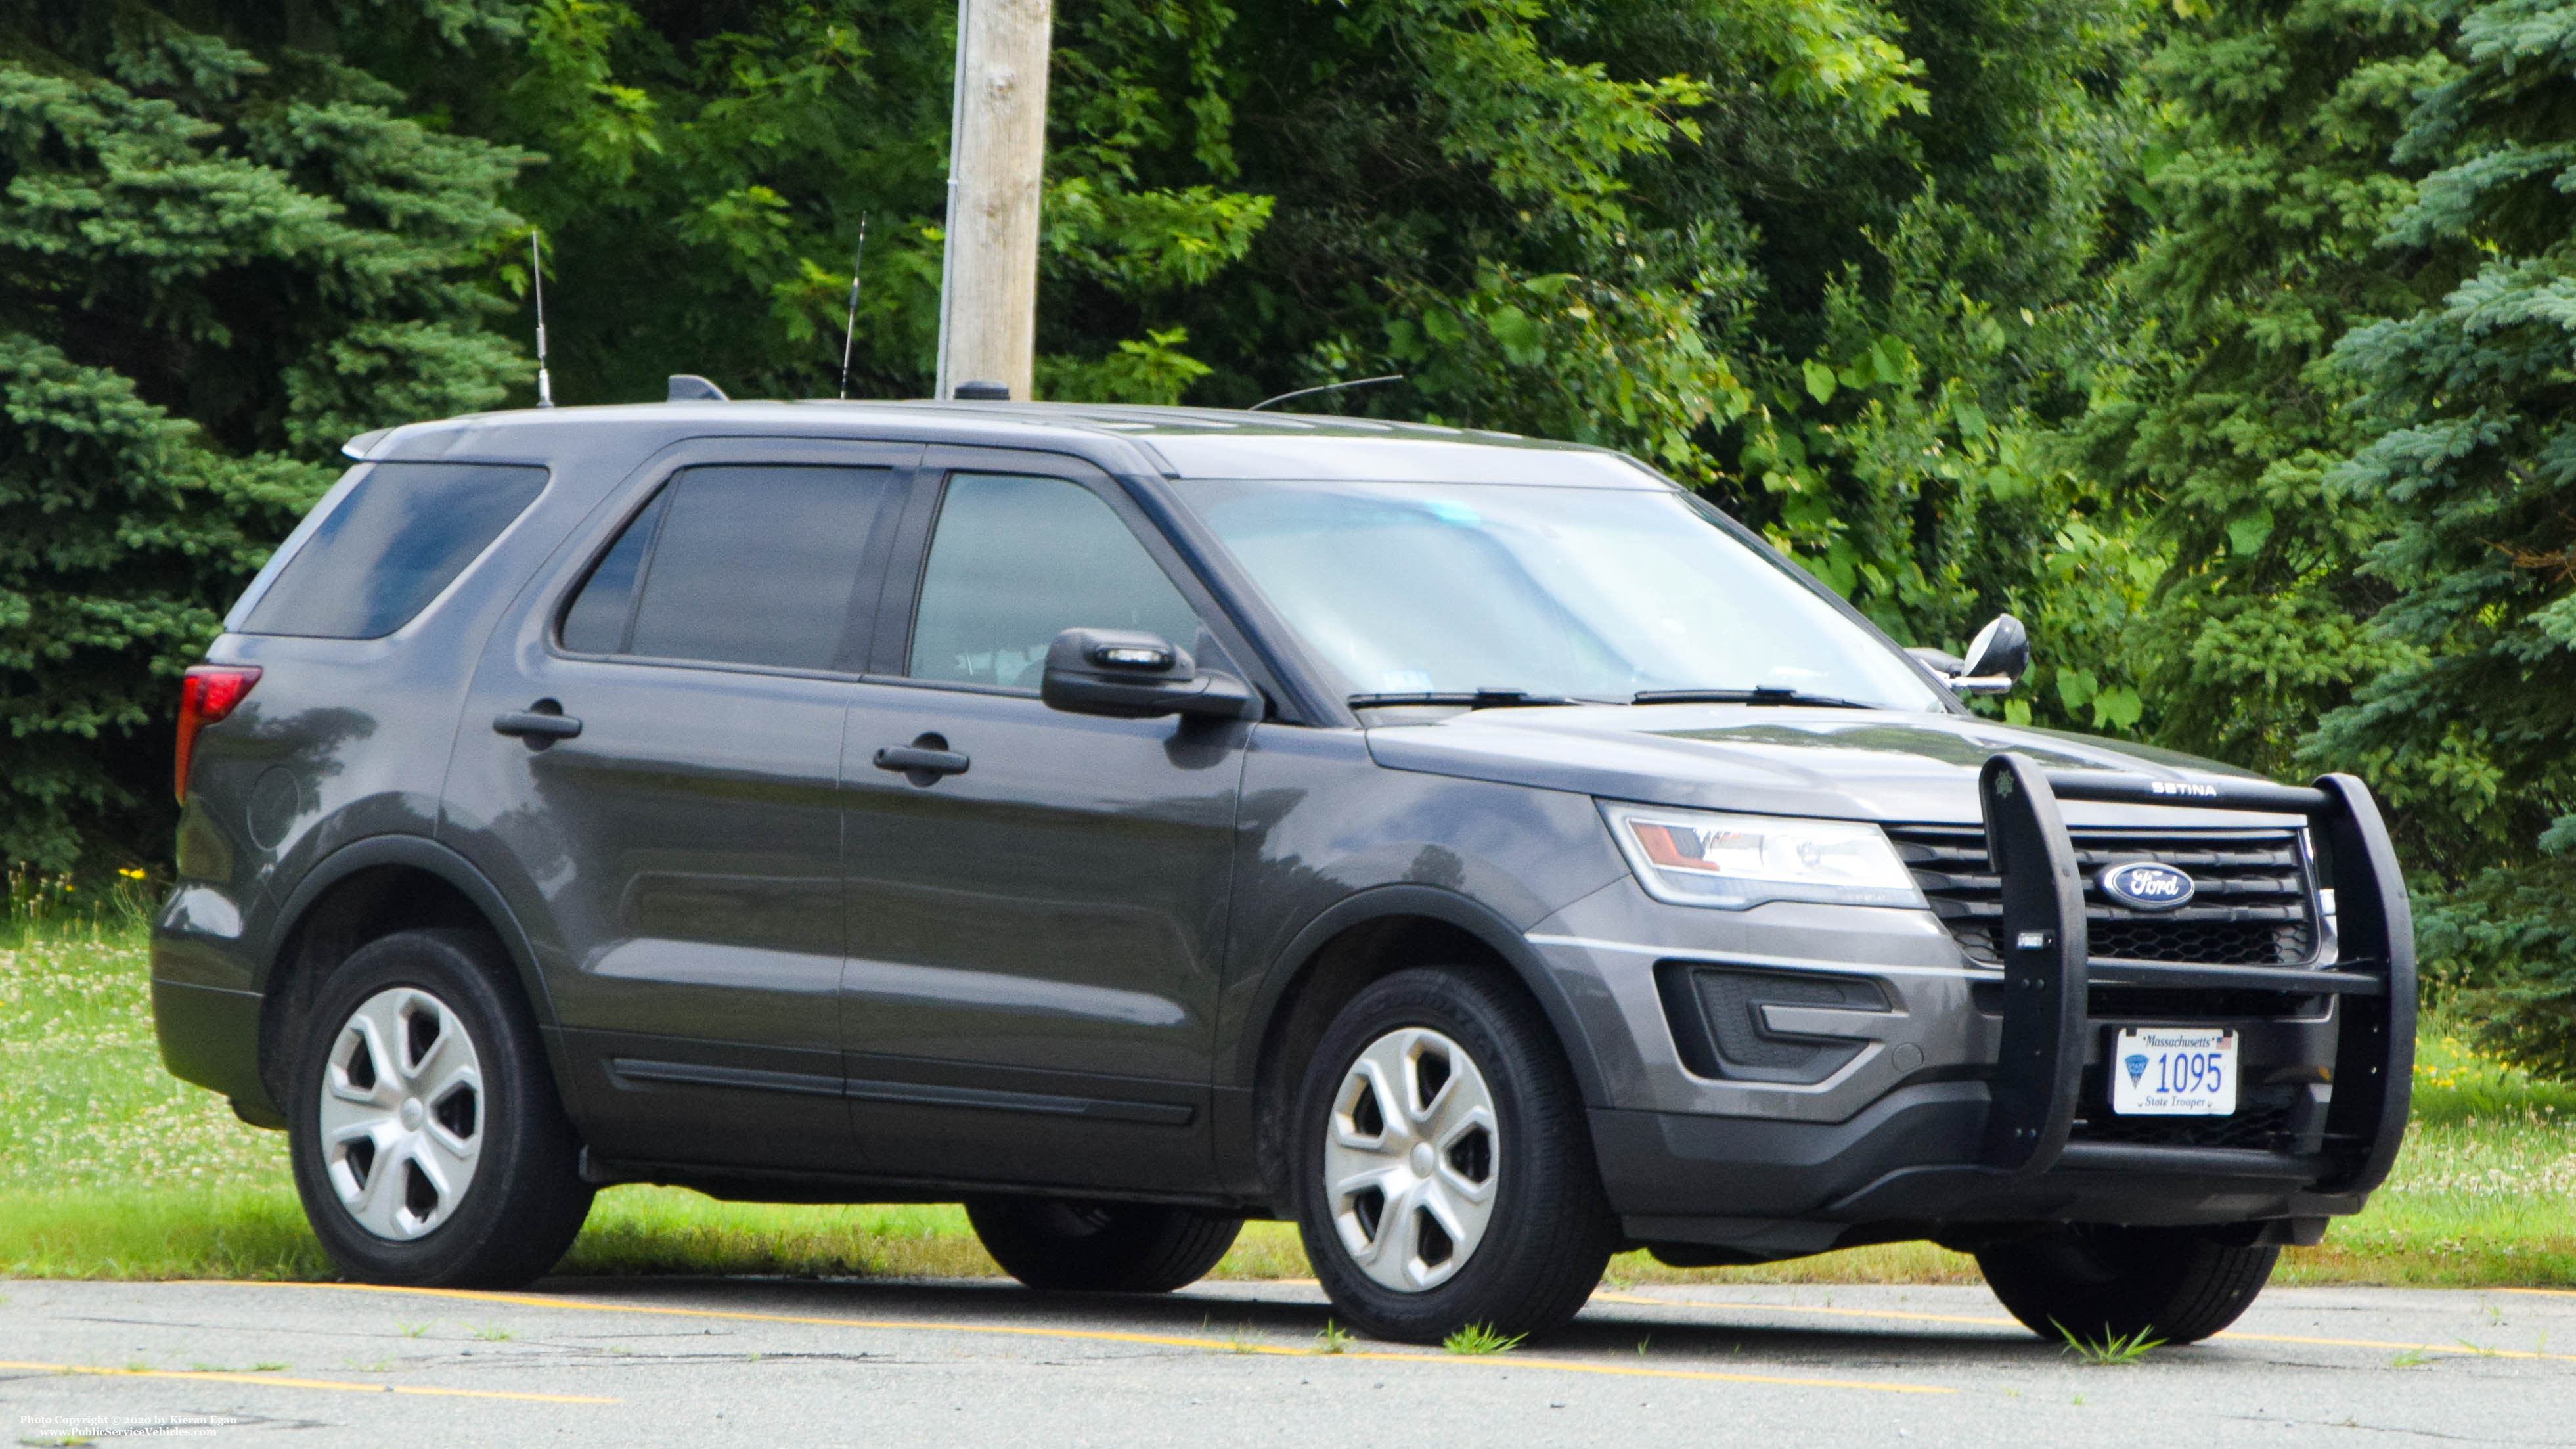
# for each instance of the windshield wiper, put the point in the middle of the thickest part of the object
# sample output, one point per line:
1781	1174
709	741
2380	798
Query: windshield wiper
1760	694
1472	699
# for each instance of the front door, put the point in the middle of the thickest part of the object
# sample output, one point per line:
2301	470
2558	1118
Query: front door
686	840
1034	939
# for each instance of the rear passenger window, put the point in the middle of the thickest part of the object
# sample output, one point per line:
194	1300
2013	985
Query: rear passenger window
401	534
736	565
1016	561
596	622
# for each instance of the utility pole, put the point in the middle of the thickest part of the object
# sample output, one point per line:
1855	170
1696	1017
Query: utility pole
988	287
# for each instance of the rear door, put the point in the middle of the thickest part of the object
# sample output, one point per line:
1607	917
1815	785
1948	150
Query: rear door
654	754
1035	940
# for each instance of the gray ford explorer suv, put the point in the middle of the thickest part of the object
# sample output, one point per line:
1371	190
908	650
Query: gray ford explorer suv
1134	820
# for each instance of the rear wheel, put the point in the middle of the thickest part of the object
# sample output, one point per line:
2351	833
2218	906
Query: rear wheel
1445	1170
2098	1281
427	1142
1101	1247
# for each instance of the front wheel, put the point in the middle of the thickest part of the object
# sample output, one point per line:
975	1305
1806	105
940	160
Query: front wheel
2096	1281
428	1145
1445	1171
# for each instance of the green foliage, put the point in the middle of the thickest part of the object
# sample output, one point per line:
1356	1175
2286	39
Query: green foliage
2269	190
234	235
1910	466
2223	343
215	263
2474	459
2111	1349
1903	444
708	170
1480	1338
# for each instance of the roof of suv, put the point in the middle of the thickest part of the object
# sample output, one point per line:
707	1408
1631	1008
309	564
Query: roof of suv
1176	442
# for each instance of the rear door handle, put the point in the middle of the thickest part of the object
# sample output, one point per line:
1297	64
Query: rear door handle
538	726
925	759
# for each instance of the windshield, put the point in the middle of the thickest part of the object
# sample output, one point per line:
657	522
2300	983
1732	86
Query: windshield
1580	593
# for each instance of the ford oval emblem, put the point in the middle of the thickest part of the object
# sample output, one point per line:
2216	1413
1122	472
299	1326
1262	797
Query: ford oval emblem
2145	885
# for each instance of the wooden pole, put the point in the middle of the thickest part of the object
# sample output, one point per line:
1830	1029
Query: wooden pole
996	163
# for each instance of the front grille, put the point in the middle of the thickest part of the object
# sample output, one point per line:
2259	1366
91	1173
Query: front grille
2252	907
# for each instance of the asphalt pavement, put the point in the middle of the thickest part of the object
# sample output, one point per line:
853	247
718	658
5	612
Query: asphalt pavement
757	1361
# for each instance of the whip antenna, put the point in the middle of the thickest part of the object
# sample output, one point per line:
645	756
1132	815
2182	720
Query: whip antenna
850	329
537	275
1327	387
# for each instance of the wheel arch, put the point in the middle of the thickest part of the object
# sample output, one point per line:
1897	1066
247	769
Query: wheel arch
363	892
1358	940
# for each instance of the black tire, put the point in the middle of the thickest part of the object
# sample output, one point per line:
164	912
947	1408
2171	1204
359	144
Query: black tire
524	1201
2099	1282
1065	1246
1550	1231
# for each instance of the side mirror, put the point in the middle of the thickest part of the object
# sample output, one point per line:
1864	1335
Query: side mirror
1126	674
1996	658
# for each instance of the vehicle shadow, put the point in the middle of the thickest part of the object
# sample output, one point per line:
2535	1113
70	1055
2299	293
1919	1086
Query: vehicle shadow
1677	1333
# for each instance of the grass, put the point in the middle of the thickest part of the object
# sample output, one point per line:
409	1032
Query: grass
111	1168
2110	1348
1481	1338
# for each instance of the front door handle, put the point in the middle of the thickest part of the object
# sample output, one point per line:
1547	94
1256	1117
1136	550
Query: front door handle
541	724
926	759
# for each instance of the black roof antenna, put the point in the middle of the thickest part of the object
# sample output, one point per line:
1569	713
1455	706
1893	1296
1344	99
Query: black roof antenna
537	276
850	329
1327	387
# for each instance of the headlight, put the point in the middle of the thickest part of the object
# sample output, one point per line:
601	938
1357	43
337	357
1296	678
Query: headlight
1698	858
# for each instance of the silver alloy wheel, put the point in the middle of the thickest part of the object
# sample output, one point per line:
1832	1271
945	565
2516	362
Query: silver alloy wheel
1411	1157
402	1113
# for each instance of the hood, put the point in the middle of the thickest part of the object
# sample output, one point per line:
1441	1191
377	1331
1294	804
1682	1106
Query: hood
1843	764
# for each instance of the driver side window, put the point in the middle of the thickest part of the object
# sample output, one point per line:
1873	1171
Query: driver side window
1016	560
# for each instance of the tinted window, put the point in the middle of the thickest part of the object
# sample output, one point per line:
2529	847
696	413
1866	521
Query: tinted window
1016	561
736	565
596	622
398	537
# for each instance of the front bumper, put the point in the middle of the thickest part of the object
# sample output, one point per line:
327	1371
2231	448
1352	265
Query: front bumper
1955	1095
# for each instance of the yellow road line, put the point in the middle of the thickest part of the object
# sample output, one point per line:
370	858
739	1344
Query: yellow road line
2452	1348
279	1382
1104	1335
2463	1347
2543	1292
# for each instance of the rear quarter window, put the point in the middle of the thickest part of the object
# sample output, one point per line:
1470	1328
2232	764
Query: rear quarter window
398	537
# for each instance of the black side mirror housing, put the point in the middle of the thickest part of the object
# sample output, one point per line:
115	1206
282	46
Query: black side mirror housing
1996	659
2000	650
1128	674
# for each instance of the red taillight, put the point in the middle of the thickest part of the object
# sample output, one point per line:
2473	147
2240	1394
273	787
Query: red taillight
207	694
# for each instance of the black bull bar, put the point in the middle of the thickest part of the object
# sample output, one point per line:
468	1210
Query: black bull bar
2048	966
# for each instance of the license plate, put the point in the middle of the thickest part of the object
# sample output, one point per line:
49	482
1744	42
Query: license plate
2173	1071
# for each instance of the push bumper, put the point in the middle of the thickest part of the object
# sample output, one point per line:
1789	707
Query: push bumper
2000	1145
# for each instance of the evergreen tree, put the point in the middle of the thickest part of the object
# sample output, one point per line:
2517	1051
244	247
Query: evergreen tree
2270	191
2471	733
216	263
